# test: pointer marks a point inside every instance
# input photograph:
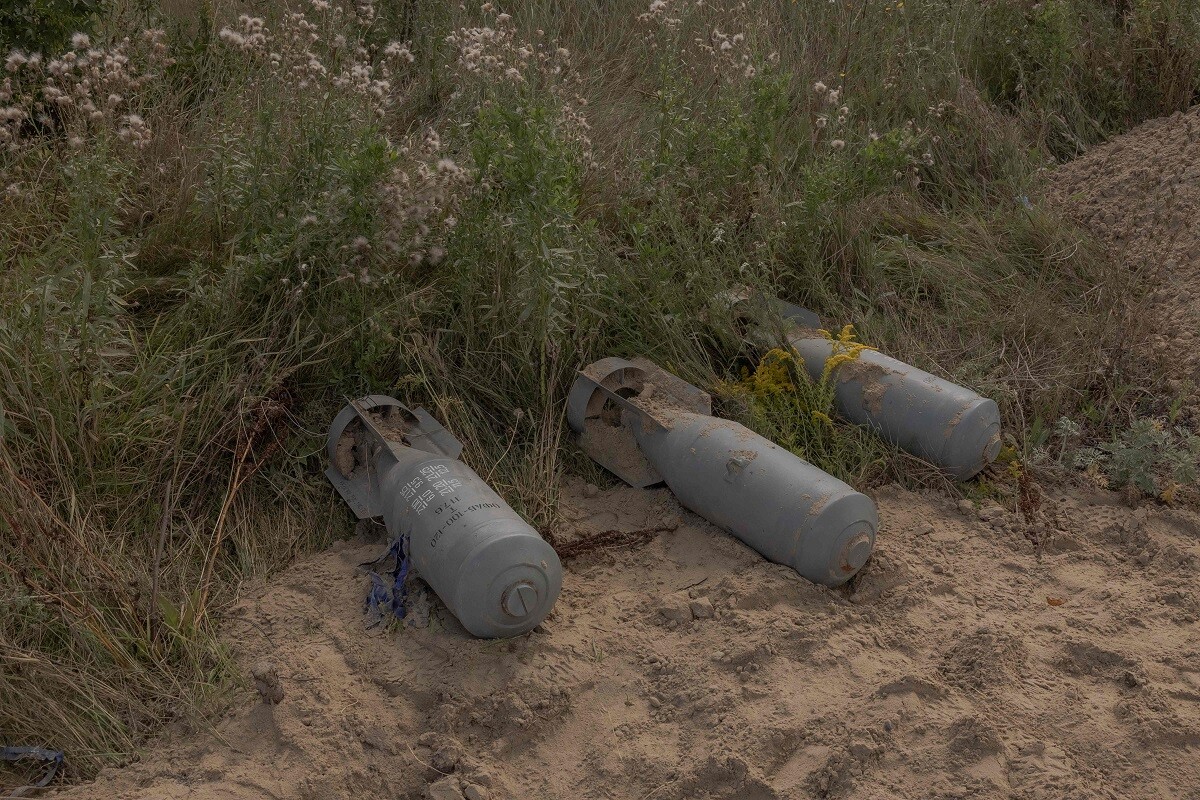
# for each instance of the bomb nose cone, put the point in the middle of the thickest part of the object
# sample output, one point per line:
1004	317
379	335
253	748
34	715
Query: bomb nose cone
520	599
973	443
992	451
855	553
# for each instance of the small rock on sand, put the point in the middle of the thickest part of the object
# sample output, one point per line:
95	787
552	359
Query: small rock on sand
990	512
482	777
473	792
966	507
266	681
701	608
444	789
676	608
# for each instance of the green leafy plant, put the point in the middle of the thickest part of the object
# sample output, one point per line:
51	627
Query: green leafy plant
44	26
1079	70
1148	455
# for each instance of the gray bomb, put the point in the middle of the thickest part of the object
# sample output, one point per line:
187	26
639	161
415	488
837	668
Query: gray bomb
489	566
943	423
648	426
938	421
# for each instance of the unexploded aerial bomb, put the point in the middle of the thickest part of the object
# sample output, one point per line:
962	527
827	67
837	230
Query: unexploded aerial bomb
648	426
489	566
947	425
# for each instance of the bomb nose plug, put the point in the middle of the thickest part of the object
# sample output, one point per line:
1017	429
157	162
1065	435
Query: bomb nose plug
647	426
490	567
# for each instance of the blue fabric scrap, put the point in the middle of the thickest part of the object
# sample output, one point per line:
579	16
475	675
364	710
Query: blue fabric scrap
388	596
55	757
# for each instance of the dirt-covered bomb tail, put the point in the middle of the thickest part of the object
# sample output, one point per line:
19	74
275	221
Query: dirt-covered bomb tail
647	426
489	566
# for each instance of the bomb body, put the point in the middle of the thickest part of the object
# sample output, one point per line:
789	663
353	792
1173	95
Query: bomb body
943	423
773	500
648	426
489	566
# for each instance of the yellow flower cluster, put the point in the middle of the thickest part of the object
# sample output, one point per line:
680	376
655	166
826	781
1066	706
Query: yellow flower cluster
773	375
845	350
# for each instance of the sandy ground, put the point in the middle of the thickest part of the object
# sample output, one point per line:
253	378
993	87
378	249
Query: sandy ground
962	662
945	670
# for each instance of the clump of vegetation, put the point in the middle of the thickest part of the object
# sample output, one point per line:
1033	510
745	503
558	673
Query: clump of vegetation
1077	71
45	25
218	228
780	400
1154	458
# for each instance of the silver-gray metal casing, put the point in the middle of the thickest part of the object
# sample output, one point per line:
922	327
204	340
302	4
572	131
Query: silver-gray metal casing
943	423
947	425
773	500
770	498
489	566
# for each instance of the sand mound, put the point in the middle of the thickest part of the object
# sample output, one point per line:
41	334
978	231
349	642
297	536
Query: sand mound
689	667
1140	193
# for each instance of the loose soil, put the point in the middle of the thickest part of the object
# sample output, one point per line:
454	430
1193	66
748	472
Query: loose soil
1140	193
957	664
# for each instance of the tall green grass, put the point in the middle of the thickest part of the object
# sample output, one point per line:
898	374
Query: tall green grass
182	314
